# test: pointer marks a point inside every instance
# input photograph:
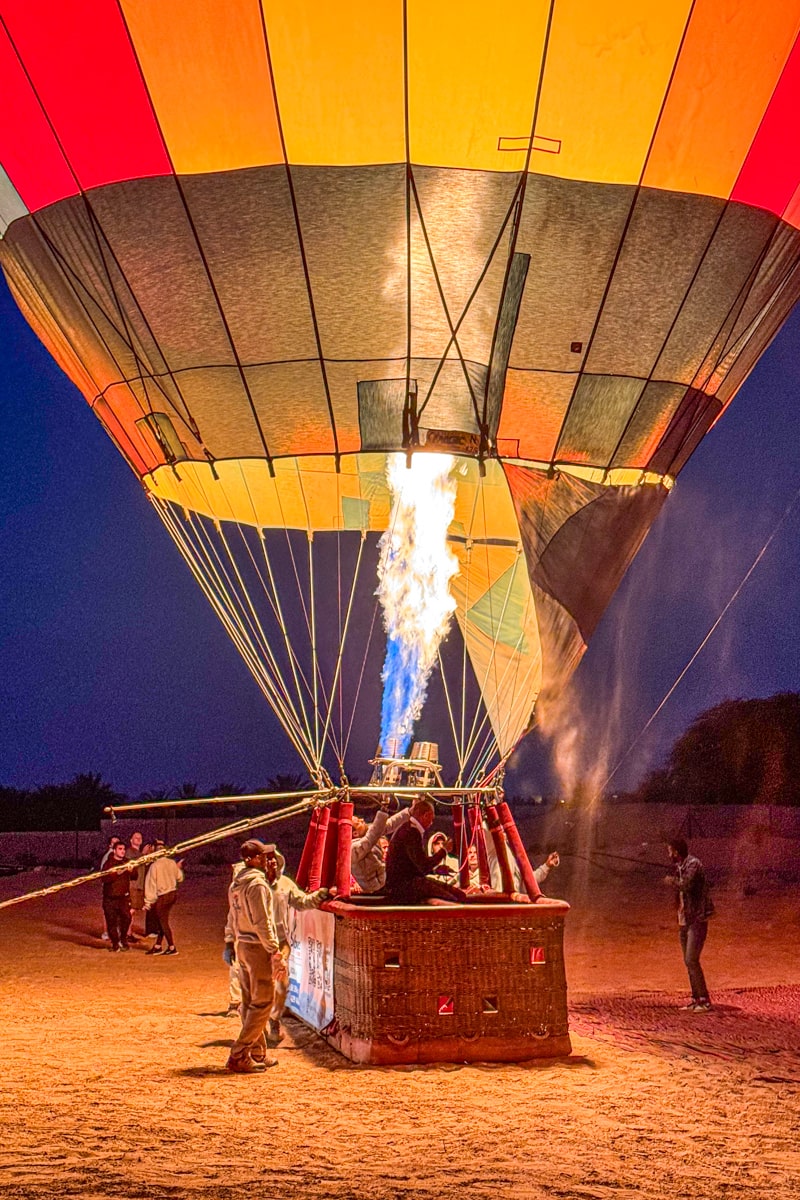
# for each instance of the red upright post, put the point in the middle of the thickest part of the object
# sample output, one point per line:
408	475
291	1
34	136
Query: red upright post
343	845
308	850
328	874
459	844
500	849
518	850
315	870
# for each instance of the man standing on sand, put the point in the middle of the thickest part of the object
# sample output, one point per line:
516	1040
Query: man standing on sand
116	898
408	867
137	882
252	925
286	894
695	907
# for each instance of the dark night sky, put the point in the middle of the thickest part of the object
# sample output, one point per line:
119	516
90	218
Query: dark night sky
112	661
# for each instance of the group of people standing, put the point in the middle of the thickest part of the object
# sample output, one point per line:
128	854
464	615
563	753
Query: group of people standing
150	889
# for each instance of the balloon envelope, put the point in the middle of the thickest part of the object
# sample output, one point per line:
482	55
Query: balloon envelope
272	243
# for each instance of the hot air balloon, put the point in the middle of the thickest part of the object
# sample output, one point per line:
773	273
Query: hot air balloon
275	243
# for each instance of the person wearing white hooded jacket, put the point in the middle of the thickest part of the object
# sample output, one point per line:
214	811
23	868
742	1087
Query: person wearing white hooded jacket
286	894
251	923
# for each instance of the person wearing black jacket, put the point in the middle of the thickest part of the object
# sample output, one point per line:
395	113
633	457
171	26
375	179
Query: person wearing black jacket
408	866
117	898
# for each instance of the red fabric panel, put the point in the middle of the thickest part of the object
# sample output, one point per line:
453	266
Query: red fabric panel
771	171
28	150
83	68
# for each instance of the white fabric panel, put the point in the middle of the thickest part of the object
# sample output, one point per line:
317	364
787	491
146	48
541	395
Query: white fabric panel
11	205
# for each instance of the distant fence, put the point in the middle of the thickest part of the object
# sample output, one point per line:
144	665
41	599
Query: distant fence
85	848
727	837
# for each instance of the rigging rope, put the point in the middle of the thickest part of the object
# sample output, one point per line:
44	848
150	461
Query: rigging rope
194	843
734	596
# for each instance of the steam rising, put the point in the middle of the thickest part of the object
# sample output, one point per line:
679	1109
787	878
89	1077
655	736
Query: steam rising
414	573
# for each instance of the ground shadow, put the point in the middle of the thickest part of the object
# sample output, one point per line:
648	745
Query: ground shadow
204	1072
77	936
753	1026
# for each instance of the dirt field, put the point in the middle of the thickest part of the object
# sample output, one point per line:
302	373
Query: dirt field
113	1081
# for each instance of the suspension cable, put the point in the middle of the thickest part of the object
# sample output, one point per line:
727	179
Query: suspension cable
342	639
731	601
238	634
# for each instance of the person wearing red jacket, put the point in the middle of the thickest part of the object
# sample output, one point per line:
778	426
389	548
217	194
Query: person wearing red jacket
117	897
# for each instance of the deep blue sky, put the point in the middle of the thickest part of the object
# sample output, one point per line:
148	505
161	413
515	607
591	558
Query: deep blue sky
112	661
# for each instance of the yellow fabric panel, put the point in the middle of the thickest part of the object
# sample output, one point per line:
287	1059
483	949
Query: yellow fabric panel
483	507
307	493
473	72
304	494
607	70
205	65
509	677
339	78
730	63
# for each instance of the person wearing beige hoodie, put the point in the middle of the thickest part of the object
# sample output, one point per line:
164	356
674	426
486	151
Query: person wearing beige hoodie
251	927
160	893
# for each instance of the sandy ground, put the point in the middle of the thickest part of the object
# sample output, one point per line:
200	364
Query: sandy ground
113	1081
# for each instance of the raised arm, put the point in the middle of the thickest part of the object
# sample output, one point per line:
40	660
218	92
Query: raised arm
362	846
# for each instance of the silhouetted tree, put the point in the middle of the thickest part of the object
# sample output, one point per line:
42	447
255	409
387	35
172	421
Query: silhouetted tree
78	804
739	752
286	783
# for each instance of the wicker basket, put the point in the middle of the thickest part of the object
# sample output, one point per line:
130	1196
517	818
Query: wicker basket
450	983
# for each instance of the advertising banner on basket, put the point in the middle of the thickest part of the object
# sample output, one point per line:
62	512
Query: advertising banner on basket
310	993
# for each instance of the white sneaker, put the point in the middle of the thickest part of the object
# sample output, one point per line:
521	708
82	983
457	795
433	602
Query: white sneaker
105	937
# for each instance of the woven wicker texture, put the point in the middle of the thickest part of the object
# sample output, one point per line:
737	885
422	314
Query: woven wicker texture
478	976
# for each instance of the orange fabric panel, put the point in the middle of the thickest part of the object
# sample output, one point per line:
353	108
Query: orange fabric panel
473	71
608	66
534	404
339	78
731	61
206	68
